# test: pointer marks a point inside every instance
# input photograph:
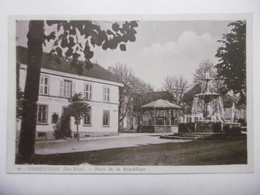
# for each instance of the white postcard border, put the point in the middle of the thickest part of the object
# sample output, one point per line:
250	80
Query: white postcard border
13	168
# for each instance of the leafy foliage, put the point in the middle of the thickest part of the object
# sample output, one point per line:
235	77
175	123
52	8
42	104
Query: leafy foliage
231	67
62	128
76	38
70	38
78	108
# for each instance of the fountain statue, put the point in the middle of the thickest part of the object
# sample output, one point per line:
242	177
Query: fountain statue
207	105
207	112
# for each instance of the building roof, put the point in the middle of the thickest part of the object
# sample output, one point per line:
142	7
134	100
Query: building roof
160	103
62	65
189	95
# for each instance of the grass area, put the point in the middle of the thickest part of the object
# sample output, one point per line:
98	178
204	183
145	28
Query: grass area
208	151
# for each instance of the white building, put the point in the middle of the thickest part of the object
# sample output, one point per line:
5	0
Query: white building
58	82
234	113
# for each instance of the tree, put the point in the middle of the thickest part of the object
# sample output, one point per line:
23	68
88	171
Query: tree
133	95
177	86
207	67
125	75
19	103
231	67
62	129
78	108
140	98
19	95
68	36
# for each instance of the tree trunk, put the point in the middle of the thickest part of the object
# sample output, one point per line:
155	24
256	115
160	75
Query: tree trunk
119	122
28	128
77	130
138	125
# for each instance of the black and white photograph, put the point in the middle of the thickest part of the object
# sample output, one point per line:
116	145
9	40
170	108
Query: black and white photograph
129	97
123	95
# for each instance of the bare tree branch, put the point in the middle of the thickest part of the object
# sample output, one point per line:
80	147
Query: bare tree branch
177	86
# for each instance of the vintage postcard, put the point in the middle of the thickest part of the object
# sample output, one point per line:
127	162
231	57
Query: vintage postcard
120	94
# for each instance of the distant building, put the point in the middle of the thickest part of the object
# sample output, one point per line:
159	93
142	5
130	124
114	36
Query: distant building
233	112
58	82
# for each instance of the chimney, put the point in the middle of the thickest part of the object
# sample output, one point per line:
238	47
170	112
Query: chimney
110	69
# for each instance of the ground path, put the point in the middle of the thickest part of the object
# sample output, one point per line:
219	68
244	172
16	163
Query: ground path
100	143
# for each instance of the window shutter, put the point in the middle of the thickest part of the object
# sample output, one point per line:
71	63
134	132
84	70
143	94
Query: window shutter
90	89
108	94
61	88
41	89
41	80
84	91
41	86
104	94
73	88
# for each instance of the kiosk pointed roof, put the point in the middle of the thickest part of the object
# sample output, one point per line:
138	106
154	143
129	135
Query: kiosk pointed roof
160	103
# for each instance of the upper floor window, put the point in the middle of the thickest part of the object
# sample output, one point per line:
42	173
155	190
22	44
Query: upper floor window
44	85
106	94
42	114
88	91
66	88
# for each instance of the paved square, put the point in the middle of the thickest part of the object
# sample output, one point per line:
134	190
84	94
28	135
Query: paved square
100	143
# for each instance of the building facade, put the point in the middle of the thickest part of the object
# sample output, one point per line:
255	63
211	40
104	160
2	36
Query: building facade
58	82
233	113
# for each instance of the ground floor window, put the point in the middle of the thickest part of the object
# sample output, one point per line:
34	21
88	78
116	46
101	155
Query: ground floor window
87	118
41	134
42	114
106	117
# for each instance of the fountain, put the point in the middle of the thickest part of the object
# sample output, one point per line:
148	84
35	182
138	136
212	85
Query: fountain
207	110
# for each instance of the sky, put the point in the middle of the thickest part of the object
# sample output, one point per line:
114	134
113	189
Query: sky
162	48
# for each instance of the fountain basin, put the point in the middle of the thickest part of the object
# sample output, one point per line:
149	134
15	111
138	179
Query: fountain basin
210	127
232	128
200	126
